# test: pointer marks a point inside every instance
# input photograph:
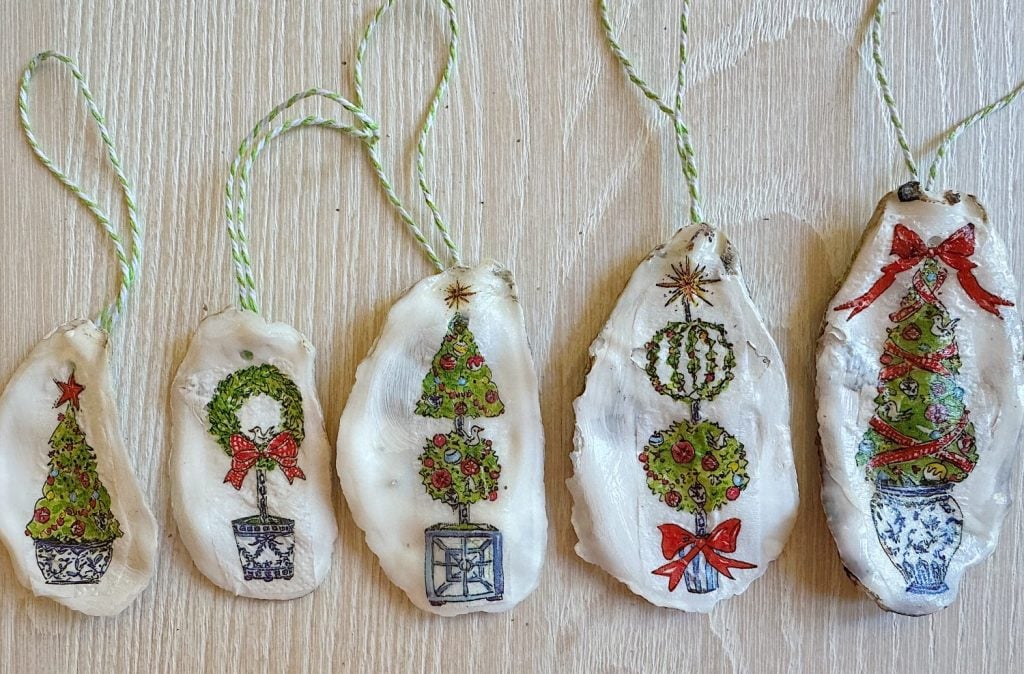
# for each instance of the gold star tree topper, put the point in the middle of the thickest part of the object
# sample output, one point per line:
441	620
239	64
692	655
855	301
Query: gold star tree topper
457	294
688	284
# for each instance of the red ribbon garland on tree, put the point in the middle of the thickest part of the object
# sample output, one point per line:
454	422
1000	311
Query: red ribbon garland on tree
955	252
931	362
910	449
675	539
282	449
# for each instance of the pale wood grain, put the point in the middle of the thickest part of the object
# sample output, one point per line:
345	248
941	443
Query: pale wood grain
548	160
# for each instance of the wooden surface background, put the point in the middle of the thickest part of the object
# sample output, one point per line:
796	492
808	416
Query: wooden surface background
547	159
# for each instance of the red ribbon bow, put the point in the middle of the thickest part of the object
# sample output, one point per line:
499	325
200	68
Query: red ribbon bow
675	539
244	454
955	252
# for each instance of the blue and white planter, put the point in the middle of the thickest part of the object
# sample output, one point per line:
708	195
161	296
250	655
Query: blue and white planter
463	563
266	547
73	563
920	529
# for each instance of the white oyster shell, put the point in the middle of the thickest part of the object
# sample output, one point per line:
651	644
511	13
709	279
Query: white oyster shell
991	379
615	514
205	504
28	418
381	439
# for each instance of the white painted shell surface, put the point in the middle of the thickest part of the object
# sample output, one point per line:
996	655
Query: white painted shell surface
615	514
206	504
990	375
27	421
382	440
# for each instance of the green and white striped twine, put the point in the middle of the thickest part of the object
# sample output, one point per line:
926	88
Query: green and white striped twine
128	263
897	122
237	187
421	144
236	190
684	146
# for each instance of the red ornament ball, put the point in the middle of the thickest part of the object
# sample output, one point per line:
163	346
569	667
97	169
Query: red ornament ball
78	528
428	462
643	457
732	493
475	362
84	479
441	479
448	362
42	515
440	440
461	409
672	499
683	452
491	397
470	467
709	463
49	480
495	474
493	496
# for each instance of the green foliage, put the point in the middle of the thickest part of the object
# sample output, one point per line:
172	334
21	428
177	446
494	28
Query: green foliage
232	392
459	381
457	472
709	361
75	507
920	404
695	466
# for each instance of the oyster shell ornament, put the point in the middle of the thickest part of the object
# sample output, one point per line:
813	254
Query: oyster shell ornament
920	399
441	448
919	385
251	468
72	513
684	486
250	461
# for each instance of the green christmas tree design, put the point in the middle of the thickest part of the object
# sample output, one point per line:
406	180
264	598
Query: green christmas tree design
920	433
75	507
461	467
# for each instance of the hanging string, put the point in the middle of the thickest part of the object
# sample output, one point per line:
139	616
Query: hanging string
367	130
435	103
882	77
237	186
684	146
128	263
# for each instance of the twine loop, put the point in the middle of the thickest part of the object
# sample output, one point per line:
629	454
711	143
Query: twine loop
684	146
367	129
885	88
128	262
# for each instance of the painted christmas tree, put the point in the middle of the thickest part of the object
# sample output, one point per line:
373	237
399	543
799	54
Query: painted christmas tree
921	433
463	562
920	442
695	465
459	468
73	521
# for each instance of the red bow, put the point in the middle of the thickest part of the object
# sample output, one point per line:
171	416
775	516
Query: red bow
955	252
244	454
675	539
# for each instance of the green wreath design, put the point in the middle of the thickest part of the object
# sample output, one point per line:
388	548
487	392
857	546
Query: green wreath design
232	392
